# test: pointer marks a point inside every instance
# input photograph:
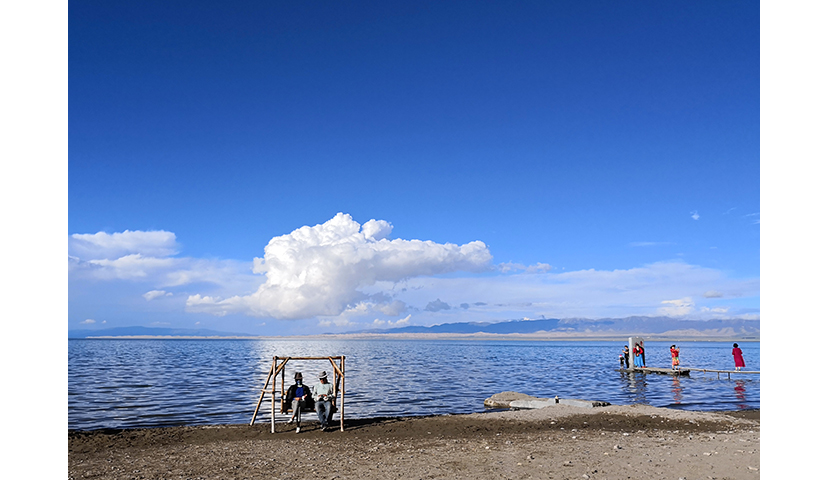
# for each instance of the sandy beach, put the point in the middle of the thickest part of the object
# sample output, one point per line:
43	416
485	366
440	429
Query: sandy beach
560	442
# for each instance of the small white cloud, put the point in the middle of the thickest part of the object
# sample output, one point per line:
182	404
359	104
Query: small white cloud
538	268
88	321
153	294
677	308
510	267
388	323
713	294
694	215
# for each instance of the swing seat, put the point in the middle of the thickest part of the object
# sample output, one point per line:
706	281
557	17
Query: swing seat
304	406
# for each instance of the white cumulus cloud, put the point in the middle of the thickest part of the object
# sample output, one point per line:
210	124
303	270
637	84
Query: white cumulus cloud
323	269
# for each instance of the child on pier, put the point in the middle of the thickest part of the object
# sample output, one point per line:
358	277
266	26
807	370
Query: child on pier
674	352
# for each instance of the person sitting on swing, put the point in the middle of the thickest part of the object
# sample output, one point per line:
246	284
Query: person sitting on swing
298	397
323	396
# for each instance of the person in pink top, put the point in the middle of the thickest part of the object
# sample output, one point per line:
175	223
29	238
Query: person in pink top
737	357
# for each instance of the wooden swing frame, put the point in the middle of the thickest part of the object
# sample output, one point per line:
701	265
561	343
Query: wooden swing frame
278	366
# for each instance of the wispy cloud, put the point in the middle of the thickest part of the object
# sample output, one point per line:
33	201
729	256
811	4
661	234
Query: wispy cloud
153	294
650	244
677	308
518	267
673	288
147	257
694	215
715	309
754	217
112	246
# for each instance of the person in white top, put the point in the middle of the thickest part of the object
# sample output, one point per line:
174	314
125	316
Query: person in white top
323	400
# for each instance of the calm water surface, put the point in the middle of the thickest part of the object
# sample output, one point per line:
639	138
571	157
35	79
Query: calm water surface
148	383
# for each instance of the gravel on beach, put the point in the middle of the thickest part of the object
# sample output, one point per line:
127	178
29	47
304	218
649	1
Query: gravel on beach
560	442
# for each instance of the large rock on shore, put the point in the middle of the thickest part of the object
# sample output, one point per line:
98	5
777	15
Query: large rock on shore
503	399
515	400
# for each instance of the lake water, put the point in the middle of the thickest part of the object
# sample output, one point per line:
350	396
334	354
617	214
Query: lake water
150	383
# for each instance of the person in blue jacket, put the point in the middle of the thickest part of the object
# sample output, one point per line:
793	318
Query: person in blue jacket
298	396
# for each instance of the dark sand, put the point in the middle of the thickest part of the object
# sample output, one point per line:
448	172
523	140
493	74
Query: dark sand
560	442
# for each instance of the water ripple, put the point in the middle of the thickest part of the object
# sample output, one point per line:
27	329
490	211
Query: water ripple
145	383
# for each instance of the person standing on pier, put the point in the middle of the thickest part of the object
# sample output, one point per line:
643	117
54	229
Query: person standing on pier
637	356
674	352
737	357
627	356
643	358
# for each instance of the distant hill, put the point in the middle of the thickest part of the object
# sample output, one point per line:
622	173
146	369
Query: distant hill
608	326
577	326
150	331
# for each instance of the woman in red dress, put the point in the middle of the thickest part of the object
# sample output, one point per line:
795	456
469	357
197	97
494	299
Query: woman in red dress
737	357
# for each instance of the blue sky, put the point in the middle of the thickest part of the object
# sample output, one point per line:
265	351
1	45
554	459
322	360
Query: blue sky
288	168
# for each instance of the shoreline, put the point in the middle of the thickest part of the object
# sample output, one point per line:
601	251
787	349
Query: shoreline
666	337
559	441
310	419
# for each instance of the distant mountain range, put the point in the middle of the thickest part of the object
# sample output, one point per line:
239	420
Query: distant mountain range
153	331
647	326
604	326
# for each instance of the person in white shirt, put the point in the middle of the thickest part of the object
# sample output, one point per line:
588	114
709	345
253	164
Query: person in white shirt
323	397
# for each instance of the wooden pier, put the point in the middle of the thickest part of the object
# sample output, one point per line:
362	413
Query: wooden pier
720	372
680	372
685	372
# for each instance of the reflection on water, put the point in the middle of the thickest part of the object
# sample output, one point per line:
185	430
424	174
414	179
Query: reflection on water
741	393
131	383
676	390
